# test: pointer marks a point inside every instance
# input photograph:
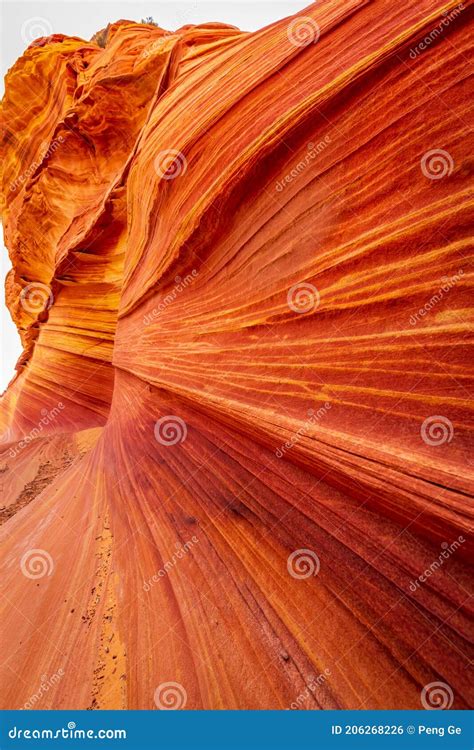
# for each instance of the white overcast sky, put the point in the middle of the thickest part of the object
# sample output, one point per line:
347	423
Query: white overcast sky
20	20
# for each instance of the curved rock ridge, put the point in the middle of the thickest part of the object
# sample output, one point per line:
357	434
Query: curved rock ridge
236	456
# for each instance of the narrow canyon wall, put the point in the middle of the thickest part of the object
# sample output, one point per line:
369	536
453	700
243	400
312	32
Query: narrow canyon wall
236	456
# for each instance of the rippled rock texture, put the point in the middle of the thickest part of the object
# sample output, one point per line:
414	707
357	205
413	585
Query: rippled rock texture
236	454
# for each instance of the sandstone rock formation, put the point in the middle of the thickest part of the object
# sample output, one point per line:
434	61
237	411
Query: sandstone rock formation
237	452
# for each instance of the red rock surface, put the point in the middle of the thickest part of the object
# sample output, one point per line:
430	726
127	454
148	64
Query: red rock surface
164	194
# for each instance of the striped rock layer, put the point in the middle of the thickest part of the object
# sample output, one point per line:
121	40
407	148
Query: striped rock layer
237	450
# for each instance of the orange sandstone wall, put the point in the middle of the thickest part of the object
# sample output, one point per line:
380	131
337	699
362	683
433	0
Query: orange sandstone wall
241	427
